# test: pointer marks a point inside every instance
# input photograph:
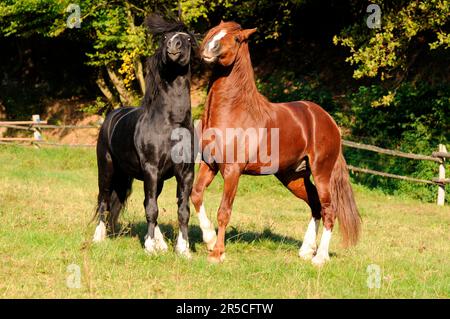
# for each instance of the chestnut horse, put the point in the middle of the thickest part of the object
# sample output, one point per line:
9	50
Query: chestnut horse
307	138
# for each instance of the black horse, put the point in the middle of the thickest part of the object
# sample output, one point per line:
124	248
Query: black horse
141	143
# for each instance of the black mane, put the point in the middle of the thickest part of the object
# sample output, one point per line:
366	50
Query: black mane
158	25
154	66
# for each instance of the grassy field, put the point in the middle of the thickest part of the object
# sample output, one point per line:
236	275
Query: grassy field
47	199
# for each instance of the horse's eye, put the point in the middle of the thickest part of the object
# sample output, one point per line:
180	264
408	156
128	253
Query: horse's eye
165	37
189	39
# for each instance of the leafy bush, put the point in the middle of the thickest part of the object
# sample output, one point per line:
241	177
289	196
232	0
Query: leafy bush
416	122
284	86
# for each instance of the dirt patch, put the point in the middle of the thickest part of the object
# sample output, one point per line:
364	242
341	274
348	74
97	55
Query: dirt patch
69	112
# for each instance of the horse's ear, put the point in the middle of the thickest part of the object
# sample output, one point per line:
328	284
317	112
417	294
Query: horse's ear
246	33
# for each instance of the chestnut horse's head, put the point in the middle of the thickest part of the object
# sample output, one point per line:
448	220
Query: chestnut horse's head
222	43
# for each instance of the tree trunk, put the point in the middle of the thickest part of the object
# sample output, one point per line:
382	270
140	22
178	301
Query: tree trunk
140	74
126	97
101	83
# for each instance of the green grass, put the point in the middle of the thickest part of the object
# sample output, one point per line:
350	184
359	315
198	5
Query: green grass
47	198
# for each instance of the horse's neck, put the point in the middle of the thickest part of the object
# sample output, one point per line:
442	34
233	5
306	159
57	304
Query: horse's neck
237	86
172	96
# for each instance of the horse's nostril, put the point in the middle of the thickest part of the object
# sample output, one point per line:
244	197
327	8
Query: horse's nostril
174	44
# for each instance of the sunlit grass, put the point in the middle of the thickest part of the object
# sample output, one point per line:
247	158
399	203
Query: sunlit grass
47	198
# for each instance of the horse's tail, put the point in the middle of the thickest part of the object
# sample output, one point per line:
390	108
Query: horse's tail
343	203
121	190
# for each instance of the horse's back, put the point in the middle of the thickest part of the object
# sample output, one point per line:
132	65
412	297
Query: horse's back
314	119
305	129
116	138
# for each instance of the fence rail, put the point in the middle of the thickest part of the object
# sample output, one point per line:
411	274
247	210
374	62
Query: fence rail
392	152
440	156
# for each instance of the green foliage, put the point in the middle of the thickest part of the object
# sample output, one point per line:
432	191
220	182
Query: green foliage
381	52
284	86
27	17
116	36
98	107
197	112
119	40
272	18
416	122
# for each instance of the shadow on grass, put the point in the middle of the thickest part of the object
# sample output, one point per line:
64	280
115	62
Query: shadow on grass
233	235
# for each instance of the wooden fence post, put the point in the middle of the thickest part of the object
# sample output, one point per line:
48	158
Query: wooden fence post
441	188
37	132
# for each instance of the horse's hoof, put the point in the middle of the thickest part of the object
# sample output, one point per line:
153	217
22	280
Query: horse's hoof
214	259
161	246
150	246
306	254
319	260
100	233
182	247
163	249
210	240
185	254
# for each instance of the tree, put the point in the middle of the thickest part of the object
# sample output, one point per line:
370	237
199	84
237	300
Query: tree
119	40
388	52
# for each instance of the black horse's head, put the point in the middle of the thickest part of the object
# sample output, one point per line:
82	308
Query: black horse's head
176	43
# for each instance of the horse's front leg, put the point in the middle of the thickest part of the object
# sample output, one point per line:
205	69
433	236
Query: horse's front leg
204	178
154	240
231	174
185	179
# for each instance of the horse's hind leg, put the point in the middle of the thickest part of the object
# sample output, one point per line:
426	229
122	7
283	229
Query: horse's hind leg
121	189
204	178
301	186
105	174
321	171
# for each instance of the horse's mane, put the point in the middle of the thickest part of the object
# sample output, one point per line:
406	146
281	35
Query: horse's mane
158	26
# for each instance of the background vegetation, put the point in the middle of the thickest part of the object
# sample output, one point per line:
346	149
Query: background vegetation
387	86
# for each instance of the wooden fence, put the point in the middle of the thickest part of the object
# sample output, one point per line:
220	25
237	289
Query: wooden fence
439	157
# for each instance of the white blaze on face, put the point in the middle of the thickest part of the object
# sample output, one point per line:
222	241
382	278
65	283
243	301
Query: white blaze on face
177	34
214	40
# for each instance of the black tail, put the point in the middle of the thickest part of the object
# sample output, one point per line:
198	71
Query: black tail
121	190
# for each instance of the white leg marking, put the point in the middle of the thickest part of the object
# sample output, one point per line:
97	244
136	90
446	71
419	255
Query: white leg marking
209	233
100	232
309	245
156	244
322	253
160	244
150	245
182	247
